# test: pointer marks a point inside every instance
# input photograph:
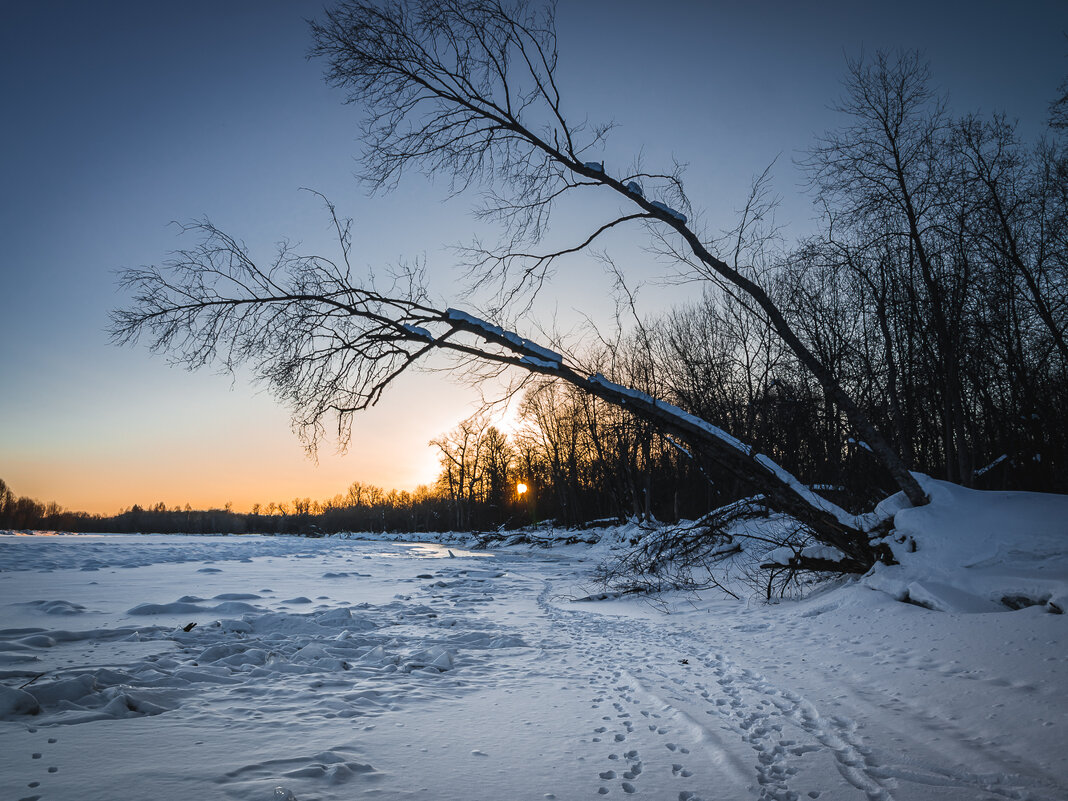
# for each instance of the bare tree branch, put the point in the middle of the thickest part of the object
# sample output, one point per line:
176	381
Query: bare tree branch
467	88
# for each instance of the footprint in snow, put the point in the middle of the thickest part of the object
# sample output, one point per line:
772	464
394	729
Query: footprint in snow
634	772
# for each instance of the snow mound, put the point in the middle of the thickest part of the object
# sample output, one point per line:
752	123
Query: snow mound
57	607
976	551
17	702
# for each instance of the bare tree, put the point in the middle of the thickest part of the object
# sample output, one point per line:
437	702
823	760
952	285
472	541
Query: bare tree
464	465
1019	214
887	164
328	347
945	237
468	89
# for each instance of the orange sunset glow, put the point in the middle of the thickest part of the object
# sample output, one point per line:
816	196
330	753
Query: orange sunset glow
256	458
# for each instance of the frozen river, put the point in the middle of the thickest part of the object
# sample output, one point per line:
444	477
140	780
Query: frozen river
345	669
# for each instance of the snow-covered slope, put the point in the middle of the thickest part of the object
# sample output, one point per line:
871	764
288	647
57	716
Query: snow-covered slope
972	551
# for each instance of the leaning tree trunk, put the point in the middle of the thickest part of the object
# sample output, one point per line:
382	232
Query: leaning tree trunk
711	447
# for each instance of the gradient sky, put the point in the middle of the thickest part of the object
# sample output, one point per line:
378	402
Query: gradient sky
120	117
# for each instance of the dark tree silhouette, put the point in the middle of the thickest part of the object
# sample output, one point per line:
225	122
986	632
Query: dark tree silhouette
926	213
468	89
328	347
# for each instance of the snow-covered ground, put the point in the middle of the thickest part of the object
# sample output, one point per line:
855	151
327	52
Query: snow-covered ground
347	668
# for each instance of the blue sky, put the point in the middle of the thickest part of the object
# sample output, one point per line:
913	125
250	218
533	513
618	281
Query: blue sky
123	116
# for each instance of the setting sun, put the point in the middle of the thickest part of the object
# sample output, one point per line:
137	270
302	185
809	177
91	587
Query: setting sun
521	488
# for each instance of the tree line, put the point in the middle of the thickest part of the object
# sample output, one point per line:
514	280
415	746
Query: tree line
363	507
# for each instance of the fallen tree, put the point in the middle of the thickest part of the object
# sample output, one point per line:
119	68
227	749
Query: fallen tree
466	89
329	347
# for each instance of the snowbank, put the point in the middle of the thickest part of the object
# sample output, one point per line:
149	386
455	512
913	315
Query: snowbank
977	551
